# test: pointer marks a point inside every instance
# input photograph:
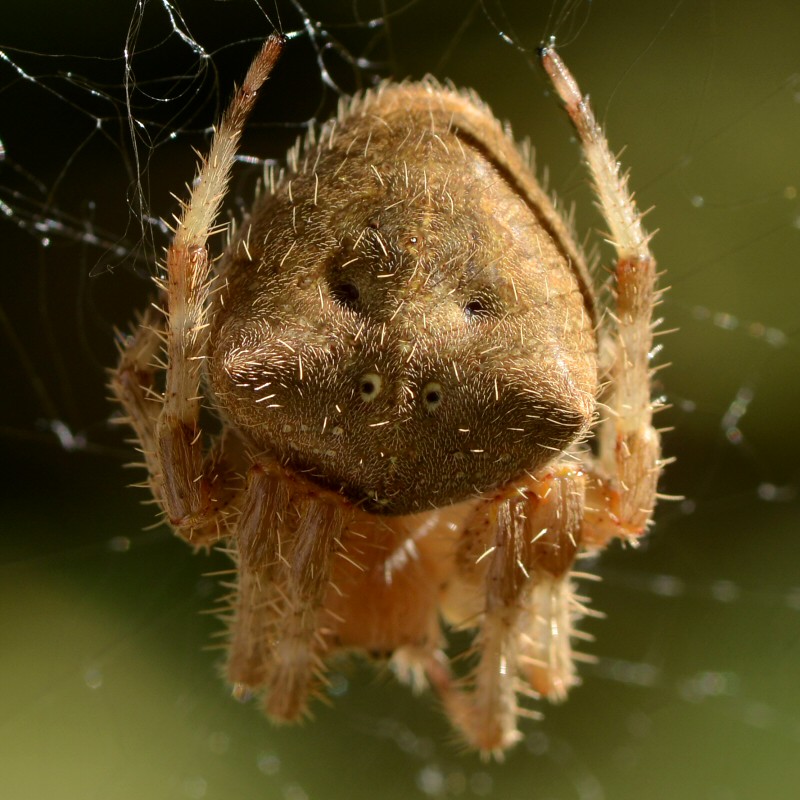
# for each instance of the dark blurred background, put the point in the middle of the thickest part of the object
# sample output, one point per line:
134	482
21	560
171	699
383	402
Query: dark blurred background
108	691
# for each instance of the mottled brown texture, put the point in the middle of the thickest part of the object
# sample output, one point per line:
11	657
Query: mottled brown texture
400	257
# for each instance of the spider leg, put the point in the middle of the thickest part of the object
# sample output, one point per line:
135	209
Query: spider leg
516	552
255	608
186	491
546	624
288	533
623	493
133	384
297	657
491	724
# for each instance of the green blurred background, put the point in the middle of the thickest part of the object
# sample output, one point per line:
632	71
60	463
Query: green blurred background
107	691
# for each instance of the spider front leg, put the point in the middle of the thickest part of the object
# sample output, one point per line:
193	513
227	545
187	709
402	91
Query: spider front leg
135	384
288	533
516	553
187	492
623	493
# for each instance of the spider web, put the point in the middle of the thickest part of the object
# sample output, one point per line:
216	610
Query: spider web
113	694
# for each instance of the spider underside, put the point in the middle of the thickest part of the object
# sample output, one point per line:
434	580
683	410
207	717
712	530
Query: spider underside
401	344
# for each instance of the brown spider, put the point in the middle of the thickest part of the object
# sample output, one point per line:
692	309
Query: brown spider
401	347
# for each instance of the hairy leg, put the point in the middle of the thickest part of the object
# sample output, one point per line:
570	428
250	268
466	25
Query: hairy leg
623	493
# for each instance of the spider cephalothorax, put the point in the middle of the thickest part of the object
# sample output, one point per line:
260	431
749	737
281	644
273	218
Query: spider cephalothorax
401	347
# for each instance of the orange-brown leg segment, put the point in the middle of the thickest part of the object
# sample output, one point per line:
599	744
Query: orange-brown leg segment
622	494
516	553
287	536
135	386
256	604
187	492
546	624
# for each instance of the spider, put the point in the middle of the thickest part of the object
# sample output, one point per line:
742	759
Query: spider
379	400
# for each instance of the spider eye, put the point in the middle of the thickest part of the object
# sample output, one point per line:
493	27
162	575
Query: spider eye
475	308
345	293
432	395
370	386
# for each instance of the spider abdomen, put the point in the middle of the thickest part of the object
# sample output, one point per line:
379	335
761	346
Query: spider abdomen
404	328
